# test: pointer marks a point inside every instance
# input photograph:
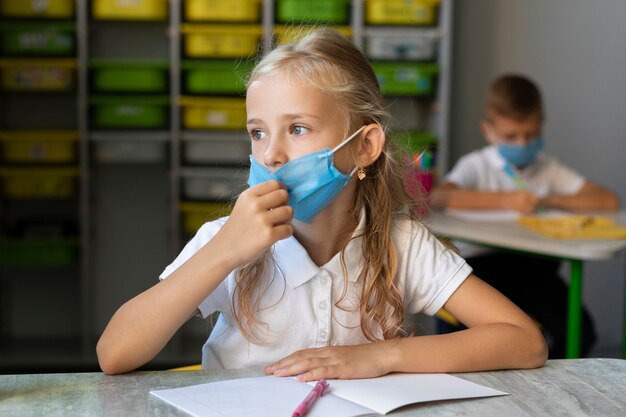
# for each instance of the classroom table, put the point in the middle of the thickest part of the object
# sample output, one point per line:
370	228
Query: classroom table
566	387
509	235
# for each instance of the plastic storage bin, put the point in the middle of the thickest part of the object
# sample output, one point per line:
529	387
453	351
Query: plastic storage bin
287	34
38	75
129	76
194	215
221	41
37	252
313	11
213	113
215	184
401	12
37	39
401	47
29	183
55	9
131	112
215	77
223	11
132	152
216	150
129	9
25	146
406	78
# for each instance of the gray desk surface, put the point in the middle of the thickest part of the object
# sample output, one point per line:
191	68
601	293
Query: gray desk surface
579	387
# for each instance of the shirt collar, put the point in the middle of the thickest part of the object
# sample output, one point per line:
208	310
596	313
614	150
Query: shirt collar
298	268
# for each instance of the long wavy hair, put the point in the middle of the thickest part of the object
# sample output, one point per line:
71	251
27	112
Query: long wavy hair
330	62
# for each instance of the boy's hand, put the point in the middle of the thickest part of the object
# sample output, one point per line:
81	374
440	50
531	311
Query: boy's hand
333	362
260	218
522	201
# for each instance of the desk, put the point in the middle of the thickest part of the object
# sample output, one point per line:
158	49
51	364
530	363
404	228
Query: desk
512	236
573	388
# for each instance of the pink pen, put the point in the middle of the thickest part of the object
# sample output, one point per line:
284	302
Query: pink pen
320	389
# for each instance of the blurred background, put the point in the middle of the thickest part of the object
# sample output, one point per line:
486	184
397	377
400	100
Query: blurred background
122	130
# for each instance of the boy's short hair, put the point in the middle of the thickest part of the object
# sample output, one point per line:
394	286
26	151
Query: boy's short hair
515	97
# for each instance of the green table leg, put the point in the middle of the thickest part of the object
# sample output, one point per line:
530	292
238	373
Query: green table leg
574	309
624	325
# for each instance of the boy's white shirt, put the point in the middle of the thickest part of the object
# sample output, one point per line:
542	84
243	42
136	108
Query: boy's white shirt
483	170
299	310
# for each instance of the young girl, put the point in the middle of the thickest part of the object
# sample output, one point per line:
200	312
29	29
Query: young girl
321	258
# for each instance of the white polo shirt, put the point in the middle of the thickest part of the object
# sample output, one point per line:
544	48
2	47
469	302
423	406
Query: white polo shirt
298	307
483	170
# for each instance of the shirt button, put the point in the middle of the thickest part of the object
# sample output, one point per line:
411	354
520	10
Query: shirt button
323	334
324	280
323	305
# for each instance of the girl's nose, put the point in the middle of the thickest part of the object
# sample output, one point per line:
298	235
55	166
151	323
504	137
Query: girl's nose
274	155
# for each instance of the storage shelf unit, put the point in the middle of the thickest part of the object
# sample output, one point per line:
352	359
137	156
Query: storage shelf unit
155	93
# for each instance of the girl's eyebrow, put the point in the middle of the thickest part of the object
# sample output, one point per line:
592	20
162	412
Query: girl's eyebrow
299	116
289	116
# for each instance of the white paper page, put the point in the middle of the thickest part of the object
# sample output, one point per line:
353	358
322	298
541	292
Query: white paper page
389	392
484	215
259	397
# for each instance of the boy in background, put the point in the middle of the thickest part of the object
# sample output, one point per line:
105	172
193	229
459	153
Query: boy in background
512	173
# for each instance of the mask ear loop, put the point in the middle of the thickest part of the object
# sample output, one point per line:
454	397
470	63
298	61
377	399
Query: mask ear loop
342	144
348	139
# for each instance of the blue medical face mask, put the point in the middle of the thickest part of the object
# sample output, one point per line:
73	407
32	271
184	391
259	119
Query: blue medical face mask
521	155
312	180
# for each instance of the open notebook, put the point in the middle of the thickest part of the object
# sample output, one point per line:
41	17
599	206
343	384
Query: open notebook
275	397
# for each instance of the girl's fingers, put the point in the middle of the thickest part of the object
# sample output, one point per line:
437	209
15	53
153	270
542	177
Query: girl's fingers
266	187
280	215
273	199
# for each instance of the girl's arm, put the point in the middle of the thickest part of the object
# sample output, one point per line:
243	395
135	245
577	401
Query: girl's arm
590	197
499	336
142	326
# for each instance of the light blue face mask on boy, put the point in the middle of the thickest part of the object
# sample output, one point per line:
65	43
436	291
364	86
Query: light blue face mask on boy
312	180
521	155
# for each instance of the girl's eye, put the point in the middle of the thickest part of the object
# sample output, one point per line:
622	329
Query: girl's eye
299	130
257	134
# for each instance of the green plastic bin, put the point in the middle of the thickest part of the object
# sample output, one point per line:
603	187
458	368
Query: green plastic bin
129	76
313	11
37	252
216	77
406	78
130	112
37	39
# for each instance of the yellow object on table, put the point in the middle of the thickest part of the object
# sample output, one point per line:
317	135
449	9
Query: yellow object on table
574	227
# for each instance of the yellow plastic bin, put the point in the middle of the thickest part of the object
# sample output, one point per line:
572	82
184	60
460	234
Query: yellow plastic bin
286	34
401	12
37	146
221	41
130	9
223	11
213	113
30	183
38	74
194	215
53	9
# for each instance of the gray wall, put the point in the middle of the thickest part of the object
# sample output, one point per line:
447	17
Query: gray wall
576	51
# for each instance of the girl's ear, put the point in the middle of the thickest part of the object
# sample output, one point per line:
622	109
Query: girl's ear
371	144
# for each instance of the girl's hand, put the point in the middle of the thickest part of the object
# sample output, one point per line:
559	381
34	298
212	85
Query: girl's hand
334	362
260	218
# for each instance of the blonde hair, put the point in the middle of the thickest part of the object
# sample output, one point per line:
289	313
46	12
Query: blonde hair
330	62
